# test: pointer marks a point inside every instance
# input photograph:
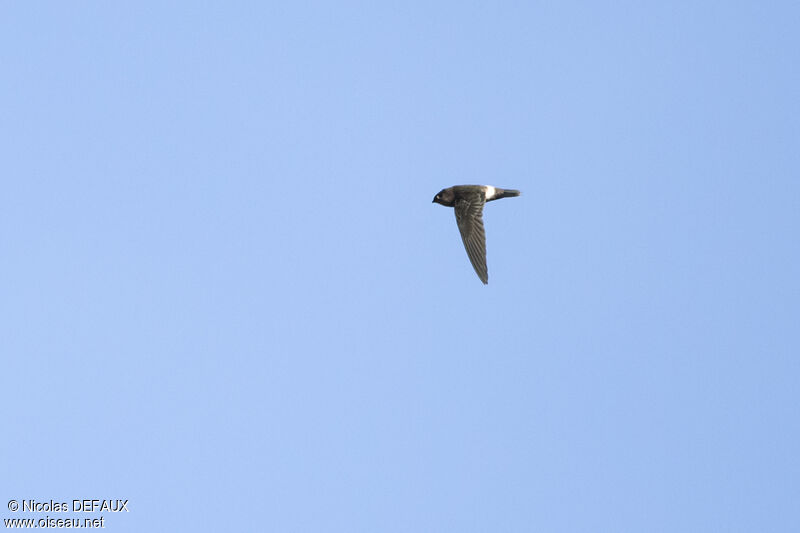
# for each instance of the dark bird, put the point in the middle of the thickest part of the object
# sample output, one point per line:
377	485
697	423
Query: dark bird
468	202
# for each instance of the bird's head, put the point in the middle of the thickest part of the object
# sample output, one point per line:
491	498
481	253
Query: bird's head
445	197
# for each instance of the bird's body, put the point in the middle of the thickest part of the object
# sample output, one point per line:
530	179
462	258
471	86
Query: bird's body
468	202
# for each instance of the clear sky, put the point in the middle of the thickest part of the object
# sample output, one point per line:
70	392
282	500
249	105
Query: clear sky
226	296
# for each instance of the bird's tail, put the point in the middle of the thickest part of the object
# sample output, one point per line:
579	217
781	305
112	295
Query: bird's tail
508	193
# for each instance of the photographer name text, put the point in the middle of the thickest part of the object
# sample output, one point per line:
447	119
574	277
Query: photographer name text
77	506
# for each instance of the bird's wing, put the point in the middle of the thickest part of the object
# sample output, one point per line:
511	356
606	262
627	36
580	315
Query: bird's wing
469	216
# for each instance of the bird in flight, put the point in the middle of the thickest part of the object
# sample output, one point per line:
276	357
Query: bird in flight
468	202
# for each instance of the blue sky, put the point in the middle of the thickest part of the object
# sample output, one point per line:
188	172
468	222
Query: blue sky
227	297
